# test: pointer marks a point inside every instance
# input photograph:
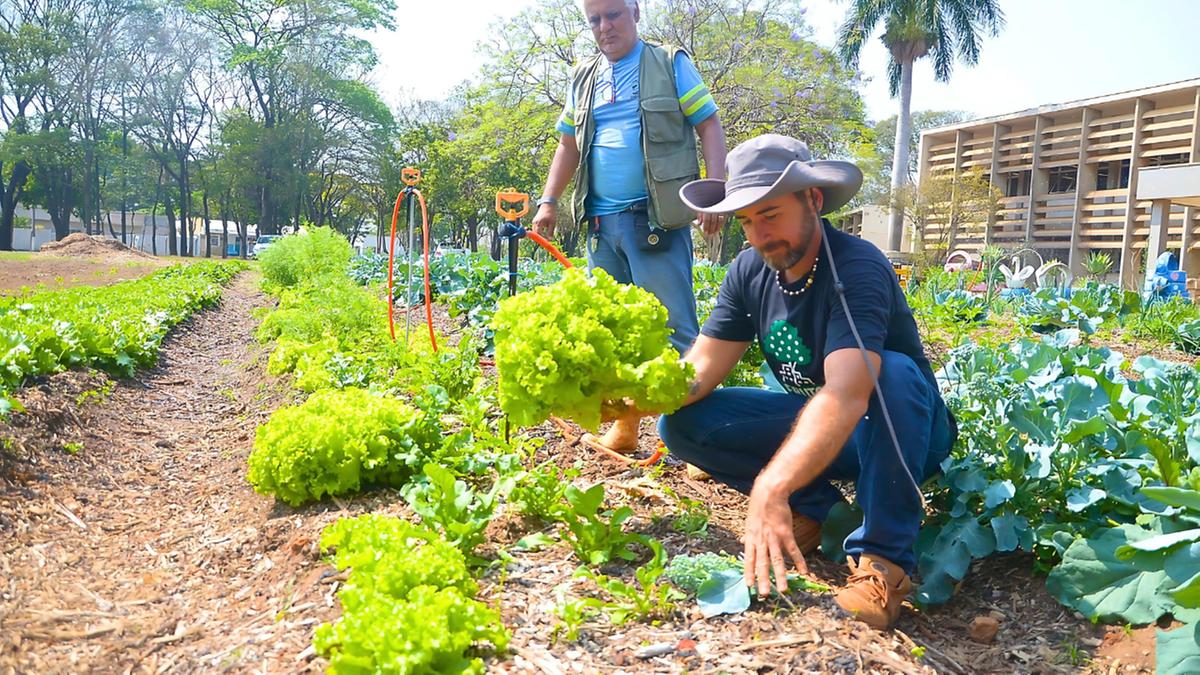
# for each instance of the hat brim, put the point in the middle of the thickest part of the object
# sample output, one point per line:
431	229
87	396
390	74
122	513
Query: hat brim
839	181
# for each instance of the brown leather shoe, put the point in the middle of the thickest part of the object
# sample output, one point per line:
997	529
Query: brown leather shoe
874	591
807	532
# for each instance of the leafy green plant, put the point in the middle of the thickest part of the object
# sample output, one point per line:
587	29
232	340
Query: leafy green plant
328	306
116	328
395	554
1097	264
689	572
1187	337
99	394
572	613
1163	320
339	441
1055	442
541	491
297	258
569	348
644	600
406	603
597	537
692	519
1087	307
1138	573
459	512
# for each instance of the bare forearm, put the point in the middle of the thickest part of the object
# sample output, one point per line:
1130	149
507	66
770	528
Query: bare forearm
713	360
824	426
562	168
712	146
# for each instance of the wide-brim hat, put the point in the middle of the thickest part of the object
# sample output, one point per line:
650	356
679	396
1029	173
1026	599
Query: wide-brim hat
768	166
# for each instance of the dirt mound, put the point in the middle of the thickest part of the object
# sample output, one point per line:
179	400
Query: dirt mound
81	245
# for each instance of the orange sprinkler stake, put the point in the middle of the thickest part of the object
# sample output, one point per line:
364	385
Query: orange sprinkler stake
391	265
410	176
511	196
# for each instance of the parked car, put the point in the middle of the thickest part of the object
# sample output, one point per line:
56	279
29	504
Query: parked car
261	244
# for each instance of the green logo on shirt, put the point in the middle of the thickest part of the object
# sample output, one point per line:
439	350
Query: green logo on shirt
783	343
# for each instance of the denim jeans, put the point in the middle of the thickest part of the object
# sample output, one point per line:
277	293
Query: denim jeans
733	432
666	273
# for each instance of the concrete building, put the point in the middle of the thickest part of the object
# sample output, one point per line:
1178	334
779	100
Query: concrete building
34	228
1071	176
870	221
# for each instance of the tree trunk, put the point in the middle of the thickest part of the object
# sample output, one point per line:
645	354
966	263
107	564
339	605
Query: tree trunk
900	156
185	199
124	169
473	233
169	207
58	191
225	226
10	194
154	217
207	226
153	229
85	206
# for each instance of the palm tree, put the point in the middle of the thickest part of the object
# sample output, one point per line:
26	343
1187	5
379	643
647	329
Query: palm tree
942	29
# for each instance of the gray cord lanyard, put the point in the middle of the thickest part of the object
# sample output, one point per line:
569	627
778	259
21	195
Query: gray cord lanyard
862	349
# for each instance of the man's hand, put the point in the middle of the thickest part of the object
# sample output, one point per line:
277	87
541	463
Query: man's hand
545	219
711	223
768	539
621	410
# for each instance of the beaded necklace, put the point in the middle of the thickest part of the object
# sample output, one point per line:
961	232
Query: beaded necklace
812	274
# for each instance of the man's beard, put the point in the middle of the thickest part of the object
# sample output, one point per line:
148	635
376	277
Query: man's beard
782	256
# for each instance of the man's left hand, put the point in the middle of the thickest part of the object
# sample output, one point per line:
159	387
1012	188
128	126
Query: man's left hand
769	538
711	223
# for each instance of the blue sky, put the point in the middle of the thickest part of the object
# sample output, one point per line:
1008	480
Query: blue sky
1051	51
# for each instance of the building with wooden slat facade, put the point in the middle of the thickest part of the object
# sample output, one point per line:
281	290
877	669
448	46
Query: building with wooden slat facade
1069	177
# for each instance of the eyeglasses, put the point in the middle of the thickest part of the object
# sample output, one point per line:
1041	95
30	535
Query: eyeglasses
594	21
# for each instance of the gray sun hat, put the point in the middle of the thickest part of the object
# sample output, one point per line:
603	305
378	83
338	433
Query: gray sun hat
768	166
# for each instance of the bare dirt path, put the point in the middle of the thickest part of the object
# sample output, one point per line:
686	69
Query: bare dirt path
130	542
146	550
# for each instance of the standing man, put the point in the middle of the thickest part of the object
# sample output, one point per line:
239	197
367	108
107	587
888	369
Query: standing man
627	138
831	318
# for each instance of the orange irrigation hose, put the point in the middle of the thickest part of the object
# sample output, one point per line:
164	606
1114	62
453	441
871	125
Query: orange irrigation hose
428	299
391	265
544	243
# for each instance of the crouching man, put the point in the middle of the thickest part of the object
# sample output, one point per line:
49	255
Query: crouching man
783	449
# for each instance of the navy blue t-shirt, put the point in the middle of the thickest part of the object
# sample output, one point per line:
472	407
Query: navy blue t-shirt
796	333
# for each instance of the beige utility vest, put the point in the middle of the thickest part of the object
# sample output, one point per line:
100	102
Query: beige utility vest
668	142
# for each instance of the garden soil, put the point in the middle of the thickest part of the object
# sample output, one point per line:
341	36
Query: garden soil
130	542
80	245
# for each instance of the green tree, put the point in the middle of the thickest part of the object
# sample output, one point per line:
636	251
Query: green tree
949	207
878	169
278	50
32	48
943	30
758	59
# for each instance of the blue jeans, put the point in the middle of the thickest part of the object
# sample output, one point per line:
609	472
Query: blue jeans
733	432
666	273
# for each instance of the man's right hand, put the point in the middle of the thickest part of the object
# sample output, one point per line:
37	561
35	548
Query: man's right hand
545	219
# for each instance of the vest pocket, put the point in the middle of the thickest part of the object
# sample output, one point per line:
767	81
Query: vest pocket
663	120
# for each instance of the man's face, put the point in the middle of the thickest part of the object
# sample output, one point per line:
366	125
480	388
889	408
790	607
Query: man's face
614	25
781	229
